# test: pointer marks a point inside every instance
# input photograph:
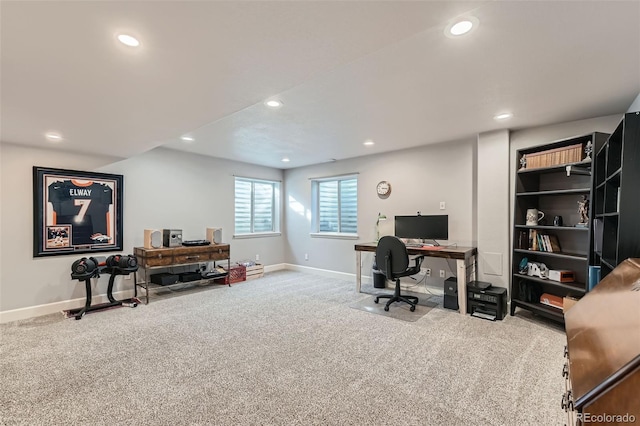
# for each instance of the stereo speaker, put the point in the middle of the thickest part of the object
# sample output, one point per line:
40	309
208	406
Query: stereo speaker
214	235
152	238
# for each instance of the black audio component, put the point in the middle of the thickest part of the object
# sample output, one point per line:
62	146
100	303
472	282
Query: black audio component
164	278
486	301
189	243
186	277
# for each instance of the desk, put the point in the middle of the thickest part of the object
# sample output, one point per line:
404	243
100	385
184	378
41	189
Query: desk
466	258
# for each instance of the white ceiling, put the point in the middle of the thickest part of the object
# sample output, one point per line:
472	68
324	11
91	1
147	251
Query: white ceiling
346	72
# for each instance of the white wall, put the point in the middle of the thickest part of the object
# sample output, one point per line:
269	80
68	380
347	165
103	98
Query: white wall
635	105
493	208
25	281
420	178
165	188
162	189
173	189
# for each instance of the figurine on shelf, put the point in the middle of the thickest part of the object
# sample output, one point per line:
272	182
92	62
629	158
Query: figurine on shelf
523	162
583	211
588	149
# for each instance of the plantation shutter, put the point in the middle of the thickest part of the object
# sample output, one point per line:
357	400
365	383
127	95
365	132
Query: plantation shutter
338	206
243	206
254	206
328	192
262	207
349	206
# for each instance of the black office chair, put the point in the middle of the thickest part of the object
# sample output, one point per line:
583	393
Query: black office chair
393	260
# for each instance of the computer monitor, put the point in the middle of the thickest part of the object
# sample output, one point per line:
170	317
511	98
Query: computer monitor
434	227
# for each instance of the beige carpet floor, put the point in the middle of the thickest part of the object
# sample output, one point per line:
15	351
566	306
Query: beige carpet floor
286	349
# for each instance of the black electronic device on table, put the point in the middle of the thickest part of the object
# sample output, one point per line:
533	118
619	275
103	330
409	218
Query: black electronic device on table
190	243
430	227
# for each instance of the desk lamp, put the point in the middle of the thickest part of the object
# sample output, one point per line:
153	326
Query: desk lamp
380	217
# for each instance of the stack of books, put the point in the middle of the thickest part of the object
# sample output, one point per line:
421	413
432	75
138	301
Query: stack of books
543	242
554	157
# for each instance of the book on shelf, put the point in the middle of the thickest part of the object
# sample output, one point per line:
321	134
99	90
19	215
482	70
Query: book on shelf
543	242
554	243
533	240
523	240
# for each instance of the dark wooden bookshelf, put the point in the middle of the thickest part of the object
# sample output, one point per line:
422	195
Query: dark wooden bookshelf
574	287
555	190
616	201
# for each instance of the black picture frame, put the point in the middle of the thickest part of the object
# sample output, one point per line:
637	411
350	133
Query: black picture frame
76	212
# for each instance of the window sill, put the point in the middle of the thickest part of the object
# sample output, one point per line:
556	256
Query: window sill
338	235
257	235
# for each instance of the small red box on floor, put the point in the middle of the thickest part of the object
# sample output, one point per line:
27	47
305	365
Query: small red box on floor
238	273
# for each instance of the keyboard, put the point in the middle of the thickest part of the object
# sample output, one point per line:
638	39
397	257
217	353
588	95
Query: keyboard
196	243
424	246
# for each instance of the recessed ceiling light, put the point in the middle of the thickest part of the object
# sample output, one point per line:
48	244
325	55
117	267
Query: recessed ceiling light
503	116
461	26
368	143
128	40
273	103
187	138
285	160
53	137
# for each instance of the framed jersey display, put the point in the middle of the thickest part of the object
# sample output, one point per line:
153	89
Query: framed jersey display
76	212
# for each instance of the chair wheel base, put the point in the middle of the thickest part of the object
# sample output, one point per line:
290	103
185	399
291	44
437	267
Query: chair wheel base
386	308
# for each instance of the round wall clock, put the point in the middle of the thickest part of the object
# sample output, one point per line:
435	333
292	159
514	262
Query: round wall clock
383	189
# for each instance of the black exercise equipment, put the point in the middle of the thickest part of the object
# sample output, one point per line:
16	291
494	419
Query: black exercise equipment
85	269
127	262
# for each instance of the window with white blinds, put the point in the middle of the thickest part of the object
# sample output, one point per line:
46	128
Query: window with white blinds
256	206
336	205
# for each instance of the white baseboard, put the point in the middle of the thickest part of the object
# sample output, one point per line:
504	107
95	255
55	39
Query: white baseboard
366	279
327	273
276	267
52	308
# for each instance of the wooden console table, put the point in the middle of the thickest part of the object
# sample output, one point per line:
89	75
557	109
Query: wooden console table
166	257
465	258
603	349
